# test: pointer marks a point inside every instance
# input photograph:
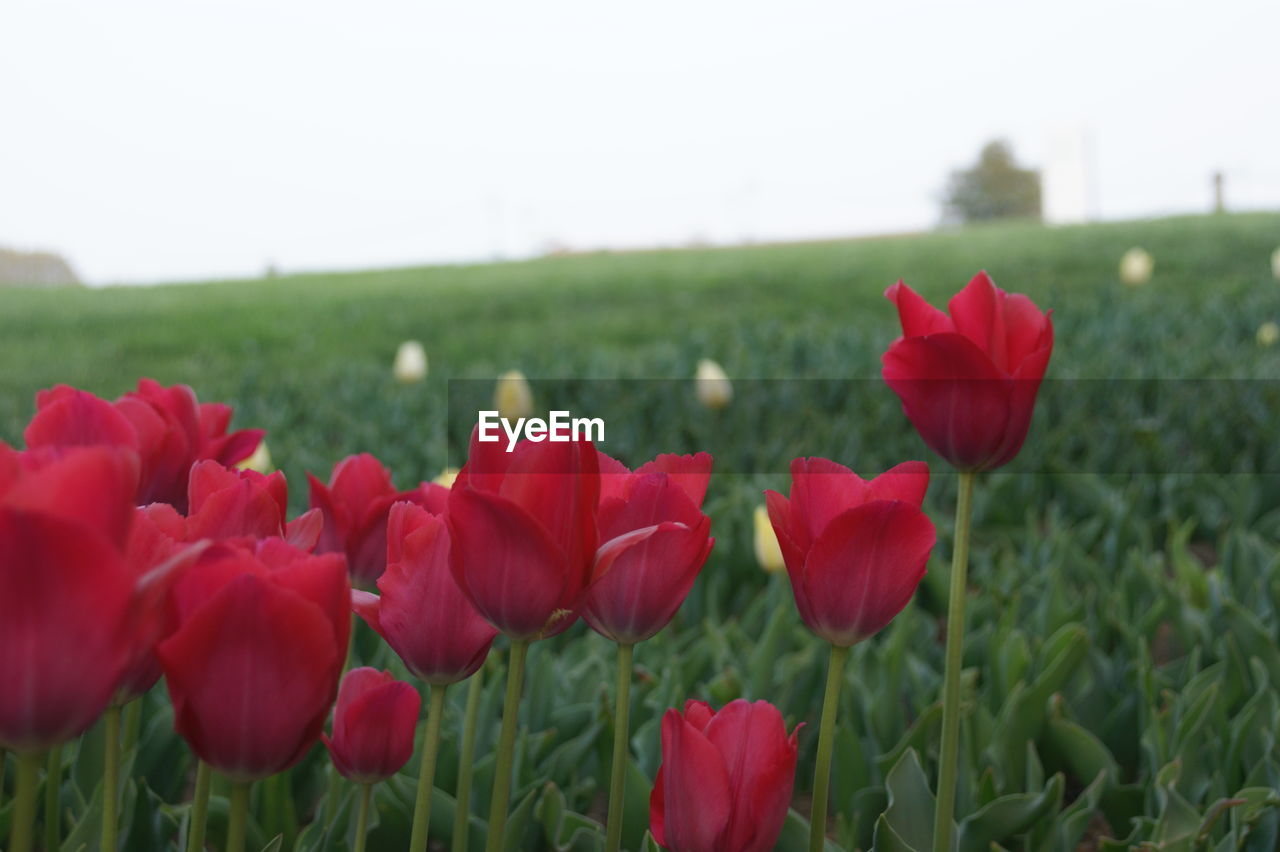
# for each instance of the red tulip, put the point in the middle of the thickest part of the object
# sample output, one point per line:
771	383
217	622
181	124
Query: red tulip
167	426
245	505
968	381
254	665
855	550
523	531
373	725
655	541
355	504
422	613
725	780
69	600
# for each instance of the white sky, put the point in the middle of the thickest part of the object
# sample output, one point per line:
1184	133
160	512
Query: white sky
173	140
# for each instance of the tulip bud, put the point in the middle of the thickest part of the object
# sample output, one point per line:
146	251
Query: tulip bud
768	553
259	461
1268	334
373	725
411	363
1136	267
715	391
446	477
1275	264
512	396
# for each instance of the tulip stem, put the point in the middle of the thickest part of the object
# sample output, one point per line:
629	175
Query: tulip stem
110	777
826	744
53	798
131	724
506	748
944	812
362	820
427	773
23	818
238	817
199	808
621	735
3	756
462	801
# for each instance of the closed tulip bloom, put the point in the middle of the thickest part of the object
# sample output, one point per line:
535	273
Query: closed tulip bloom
725	780
523	532
715	391
260	460
512	395
411	363
855	549
1136	266
968	381
421	612
768	553
355	504
253	667
69	600
655	540
373	725
244	505
167	426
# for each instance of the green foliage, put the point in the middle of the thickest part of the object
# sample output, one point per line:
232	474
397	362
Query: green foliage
993	188
1122	671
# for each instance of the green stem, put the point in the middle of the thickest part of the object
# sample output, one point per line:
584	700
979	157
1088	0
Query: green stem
334	797
132	722
53	798
462	801
944	813
621	734
199	808
427	773
238	817
362	821
826	744
110	778
23	818
3	756
506	749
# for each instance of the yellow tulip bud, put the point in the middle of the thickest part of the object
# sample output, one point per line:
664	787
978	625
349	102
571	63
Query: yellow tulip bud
259	461
1136	267
768	553
411	363
715	391
446	477
1268	334
512	396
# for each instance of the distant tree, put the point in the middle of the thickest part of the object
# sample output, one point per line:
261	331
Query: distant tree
994	188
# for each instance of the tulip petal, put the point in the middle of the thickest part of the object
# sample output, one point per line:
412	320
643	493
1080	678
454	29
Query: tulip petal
820	490
752	740
695	804
864	569
513	573
92	486
691	473
908	482
917	316
304	531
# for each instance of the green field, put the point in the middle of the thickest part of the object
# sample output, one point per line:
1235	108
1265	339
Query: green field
1123	649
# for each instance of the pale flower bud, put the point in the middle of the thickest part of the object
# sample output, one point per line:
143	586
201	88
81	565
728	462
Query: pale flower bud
411	362
512	395
259	461
1268	334
714	388
1136	267
446	477
768	553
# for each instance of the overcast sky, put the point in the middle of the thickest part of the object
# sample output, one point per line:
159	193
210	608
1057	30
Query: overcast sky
176	140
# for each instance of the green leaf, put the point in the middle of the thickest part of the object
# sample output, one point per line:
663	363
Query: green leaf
1008	816
911	803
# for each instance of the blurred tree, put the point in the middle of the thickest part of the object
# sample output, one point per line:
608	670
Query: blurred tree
994	188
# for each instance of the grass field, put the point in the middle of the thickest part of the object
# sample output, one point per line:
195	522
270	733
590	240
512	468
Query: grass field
1124	637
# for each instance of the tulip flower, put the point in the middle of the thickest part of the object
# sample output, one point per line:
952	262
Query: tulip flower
855	551
655	541
428	622
968	381
725	780
253	667
714	389
512	395
373	725
1136	266
244	506
411	363
73	611
260	460
355	504
768	553
522	527
1268	334
168	428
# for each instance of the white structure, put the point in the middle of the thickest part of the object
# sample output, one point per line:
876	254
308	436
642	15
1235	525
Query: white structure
1066	180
